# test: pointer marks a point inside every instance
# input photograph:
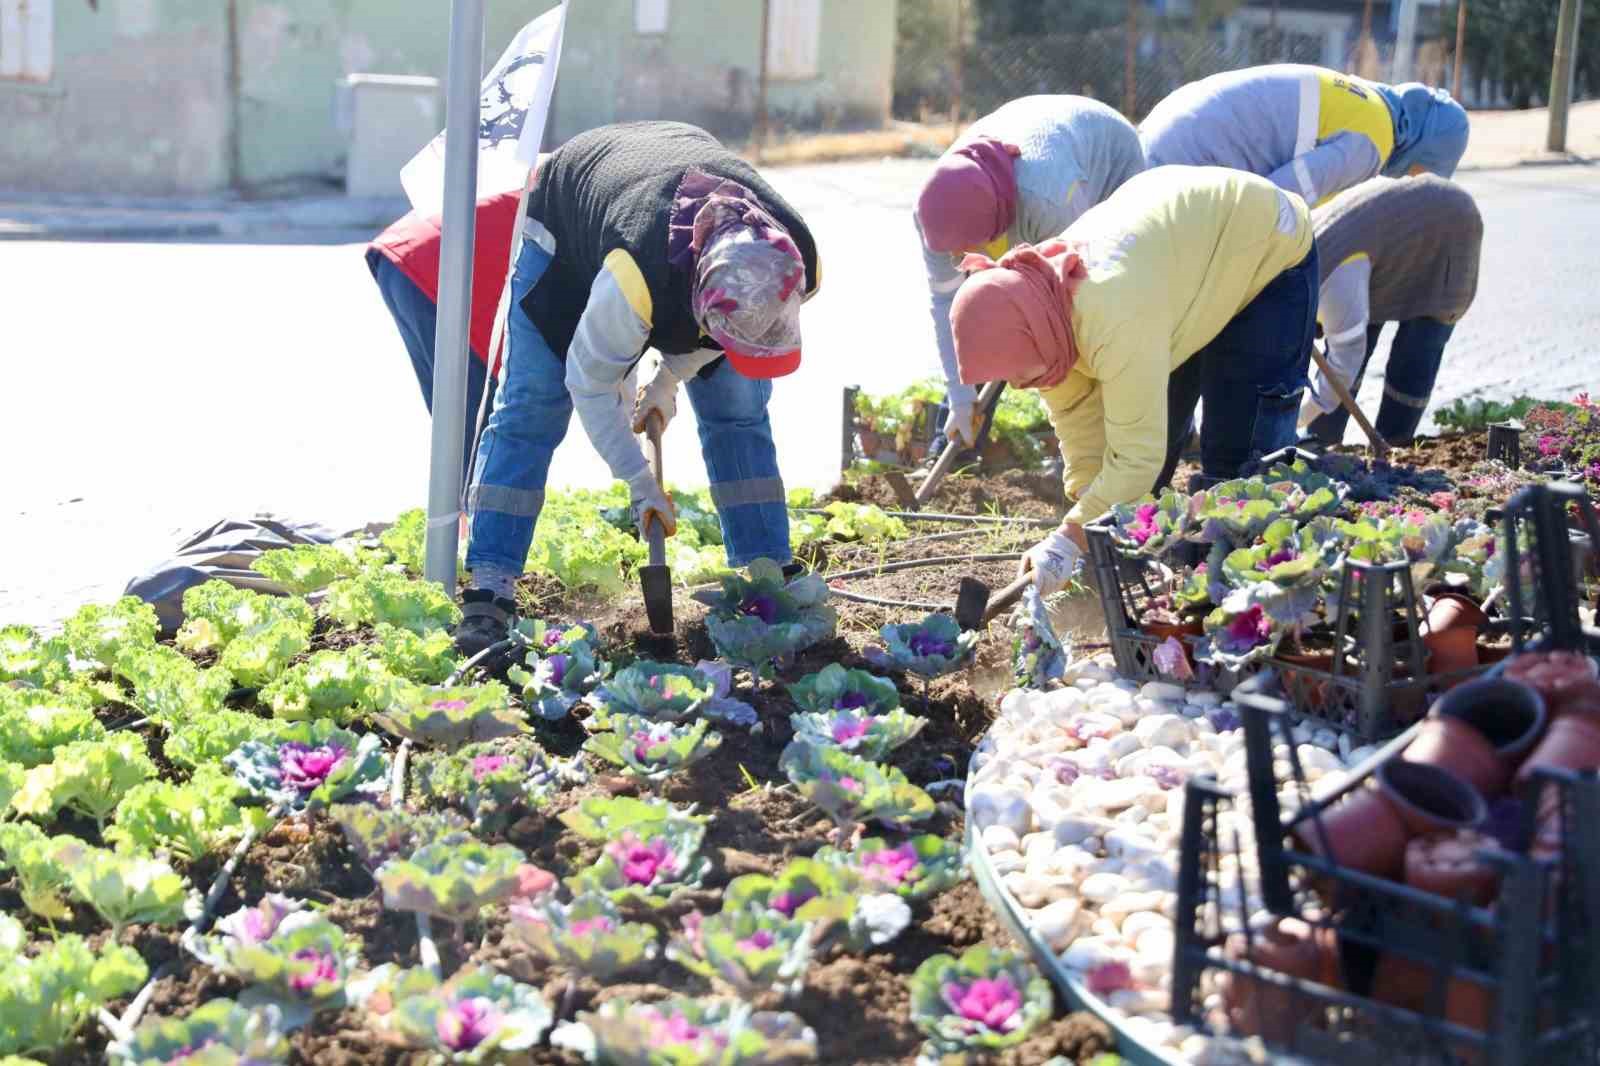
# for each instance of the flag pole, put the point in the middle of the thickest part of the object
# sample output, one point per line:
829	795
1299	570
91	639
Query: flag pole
455	290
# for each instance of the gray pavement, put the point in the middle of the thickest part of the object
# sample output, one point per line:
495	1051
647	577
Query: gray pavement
152	388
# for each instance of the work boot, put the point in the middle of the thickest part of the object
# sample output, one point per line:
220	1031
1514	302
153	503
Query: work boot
485	620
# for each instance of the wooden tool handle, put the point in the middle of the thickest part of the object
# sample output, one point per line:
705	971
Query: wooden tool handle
655	533
1007	596
1379	445
947	458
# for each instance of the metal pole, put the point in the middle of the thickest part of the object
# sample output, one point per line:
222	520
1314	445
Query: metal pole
1130	96
1405	41
1461	46
455	290
1561	73
761	90
960	41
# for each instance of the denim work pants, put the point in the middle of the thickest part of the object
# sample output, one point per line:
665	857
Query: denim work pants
530	418
1415	355
1250	376
416	315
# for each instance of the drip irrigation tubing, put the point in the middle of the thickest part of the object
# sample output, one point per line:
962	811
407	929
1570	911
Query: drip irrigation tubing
879	601
427	950
912	564
935	516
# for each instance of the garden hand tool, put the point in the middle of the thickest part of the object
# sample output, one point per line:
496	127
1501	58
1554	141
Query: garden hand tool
655	579
1380	447
975	607
913	501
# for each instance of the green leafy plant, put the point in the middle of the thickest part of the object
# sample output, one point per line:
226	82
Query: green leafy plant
377	834
452	880
490	780
1237	511
406	540
98	633
553	681
216	614
423	658
653	751
382	597
929	648
338	685
835	688
980	1003
307	568
169	687
1244	629
587	935
839	905
191	820
689	1032
1151	525
606	817
750	951
125	888
851	789
664	692
32	659
219	1032
760	618
310	766
916	868
210	737
87	776
651	865
1475	415
41	880
477	1016
47	997
447	718
260	654
871	736
35	722
292	958
11	776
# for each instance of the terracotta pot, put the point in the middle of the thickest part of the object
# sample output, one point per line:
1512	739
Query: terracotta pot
1311	693
1363	831
1492	653
1287	946
1452	744
1447	864
1405	983
1162	630
1510	715
871	442
1451	634
1571	743
1554	674
1429	799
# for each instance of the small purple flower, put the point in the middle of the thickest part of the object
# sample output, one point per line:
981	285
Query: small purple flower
760	606
926	644
304	768
558	668
552	637
641	861
992	1003
484	765
1247	629
850	727
323	970
466	1023
852	701
1551	445
786	903
760	940
890	865
449	705
1168	777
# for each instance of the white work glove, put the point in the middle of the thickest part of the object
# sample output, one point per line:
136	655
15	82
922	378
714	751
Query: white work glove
961	424
659	394
1053	562
652	503
1310	410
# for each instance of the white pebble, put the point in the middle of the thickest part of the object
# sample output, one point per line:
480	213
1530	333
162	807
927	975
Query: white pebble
1141	922
1163	730
1103	887
1005	862
1078	828
1204	698
1162	690
1116	795
1087	952
990	805
1059	923
1000	838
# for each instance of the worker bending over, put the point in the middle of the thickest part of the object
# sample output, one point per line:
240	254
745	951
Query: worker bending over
1187	282
1312	131
1401	251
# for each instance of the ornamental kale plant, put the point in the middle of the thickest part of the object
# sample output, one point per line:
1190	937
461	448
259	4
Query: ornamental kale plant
35	722
833	688
210	737
310	567
335	685
554	681
191	820
476	1016
219	1032
748	950
291	958
380	596
649	866
665	692
312	766
447	718
587	935
45	998
1237	511
378	834
125	888
688	1032
929	648
761	619
1037	654
548	638
98	633
653	751
1243	630
259	655
1293	560
851	789
916	868
87	776
842	908
452	880
871	736
10	782
1149	526
491	781
40	880
980	1003
606	817
169	687
217	613
422	658
31	659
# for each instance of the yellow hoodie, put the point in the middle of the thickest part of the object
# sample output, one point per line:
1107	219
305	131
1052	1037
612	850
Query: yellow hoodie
1172	256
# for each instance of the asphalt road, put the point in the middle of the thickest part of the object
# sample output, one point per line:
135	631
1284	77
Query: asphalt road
151	389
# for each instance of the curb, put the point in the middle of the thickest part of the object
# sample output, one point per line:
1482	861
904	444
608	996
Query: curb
305	219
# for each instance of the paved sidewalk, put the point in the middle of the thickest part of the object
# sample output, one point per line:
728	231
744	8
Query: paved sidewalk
1516	138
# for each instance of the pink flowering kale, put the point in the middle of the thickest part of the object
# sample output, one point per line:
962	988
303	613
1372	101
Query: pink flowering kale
917	868
747	950
315	765
929	648
689	1031
980	1003
1109	977
478	1016
650	865
587	935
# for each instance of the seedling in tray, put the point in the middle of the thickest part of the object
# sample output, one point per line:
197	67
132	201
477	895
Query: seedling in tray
587	935
978	1004
688	1032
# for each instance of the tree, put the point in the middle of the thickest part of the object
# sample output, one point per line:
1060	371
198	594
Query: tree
1512	43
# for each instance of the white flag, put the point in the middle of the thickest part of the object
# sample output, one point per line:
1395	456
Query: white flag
514	107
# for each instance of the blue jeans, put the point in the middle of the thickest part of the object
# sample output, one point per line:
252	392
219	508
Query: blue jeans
1415	355
1250	377
416	315
530	418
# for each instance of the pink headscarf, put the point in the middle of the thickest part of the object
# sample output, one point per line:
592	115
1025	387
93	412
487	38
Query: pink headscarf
1013	319
971	198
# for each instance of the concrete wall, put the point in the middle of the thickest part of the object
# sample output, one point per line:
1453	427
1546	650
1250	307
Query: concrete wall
704	69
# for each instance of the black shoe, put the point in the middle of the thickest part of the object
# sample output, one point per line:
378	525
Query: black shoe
793	570
485	621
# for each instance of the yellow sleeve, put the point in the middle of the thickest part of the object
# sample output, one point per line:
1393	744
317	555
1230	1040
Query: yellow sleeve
620	265
1079	423
1133	393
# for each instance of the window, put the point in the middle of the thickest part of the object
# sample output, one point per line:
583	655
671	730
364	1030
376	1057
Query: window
651	16
794	28
26	45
